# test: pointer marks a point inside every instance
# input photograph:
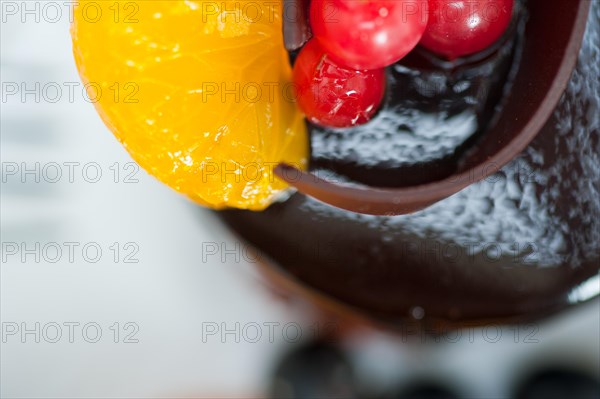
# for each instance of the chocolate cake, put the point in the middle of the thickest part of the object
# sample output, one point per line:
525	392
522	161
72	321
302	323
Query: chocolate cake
516	243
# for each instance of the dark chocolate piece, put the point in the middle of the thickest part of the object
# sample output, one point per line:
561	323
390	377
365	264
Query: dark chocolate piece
296	27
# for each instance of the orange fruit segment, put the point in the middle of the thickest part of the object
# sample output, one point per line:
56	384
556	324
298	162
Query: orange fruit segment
198	92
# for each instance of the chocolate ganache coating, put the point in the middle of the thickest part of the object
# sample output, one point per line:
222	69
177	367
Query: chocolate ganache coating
519	244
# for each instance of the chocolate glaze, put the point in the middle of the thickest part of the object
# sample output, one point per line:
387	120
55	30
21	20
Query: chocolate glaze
431	114
518	244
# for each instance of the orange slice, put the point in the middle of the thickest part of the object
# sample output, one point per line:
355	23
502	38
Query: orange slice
198	92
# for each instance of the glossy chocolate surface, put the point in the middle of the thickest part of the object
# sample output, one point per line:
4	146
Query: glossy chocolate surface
523	242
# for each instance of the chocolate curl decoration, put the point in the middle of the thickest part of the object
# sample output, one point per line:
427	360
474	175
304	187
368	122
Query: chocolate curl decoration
553	38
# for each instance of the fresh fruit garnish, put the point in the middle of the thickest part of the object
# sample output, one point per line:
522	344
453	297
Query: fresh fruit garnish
212	114
461	27
368	34
332	95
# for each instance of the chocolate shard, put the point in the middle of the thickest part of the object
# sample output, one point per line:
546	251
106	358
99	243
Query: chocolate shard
296	27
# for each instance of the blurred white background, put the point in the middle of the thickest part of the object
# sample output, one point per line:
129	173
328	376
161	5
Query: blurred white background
168	293
171	291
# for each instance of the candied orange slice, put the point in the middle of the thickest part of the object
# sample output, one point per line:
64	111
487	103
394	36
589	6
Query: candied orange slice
198	92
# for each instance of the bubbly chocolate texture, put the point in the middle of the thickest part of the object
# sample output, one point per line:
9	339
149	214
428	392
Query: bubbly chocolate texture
521	243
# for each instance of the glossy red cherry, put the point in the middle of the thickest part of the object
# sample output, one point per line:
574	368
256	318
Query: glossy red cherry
461	27
335	96
364	34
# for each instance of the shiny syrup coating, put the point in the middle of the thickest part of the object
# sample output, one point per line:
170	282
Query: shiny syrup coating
522	243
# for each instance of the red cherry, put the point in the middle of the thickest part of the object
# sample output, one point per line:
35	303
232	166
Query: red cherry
332	95
462	27
364	34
